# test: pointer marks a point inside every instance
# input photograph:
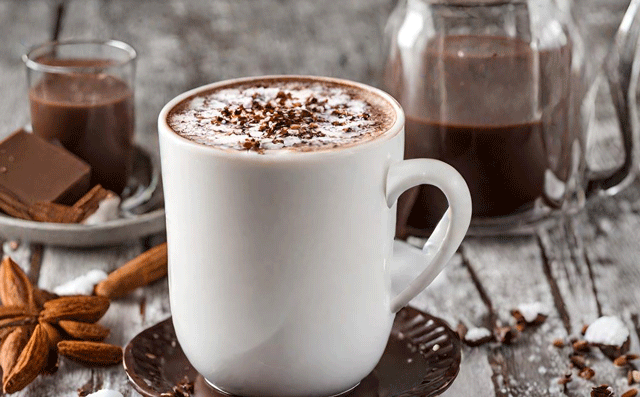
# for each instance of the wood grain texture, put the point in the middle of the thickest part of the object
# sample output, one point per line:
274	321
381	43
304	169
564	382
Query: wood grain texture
580	268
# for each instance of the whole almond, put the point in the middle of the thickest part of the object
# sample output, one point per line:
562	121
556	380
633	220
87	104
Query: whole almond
87	309
140	271
30	362
90	353
11	348
630	393
84	331
15	287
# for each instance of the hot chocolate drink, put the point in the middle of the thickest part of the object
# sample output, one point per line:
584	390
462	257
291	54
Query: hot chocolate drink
496	109
279	199
284	114
91	114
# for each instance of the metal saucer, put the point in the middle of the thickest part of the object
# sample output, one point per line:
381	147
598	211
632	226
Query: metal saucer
142	214
422	358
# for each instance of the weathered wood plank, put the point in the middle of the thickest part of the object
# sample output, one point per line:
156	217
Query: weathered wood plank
183	44
510	271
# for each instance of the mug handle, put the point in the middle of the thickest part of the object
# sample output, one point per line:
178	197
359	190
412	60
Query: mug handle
451	229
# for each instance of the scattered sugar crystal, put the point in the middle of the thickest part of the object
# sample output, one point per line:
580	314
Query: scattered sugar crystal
105	393
108	210
542	370
82	285
530	311
607	330
477	334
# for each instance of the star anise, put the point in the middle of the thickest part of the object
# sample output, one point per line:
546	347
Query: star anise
33	322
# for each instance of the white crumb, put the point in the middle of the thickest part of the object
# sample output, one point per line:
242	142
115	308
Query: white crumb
105	393
108	210
477	334
82	285
607	330
530	311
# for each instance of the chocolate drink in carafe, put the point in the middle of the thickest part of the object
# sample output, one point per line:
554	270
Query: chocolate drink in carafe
494	109
91	114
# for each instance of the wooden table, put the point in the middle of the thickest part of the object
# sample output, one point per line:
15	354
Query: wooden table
587	266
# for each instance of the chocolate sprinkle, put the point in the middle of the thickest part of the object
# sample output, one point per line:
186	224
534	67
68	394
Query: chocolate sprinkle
289	114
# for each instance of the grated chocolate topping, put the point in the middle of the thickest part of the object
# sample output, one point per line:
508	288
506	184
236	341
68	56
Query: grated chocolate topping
276	115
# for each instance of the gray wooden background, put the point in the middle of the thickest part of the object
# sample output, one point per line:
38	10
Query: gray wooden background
584	267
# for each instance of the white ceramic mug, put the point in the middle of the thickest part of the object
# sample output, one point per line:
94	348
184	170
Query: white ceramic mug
279	264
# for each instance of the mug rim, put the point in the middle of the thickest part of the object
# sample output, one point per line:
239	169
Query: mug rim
280	155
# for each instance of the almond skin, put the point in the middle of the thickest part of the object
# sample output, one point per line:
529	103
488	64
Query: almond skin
90	353
31	362
86	309
84	331
146	268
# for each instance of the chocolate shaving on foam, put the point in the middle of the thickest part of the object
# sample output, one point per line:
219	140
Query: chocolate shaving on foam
274	115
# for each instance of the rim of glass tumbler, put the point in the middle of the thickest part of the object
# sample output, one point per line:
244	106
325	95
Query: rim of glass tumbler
32	64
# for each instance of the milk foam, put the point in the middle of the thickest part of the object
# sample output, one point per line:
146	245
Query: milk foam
275	115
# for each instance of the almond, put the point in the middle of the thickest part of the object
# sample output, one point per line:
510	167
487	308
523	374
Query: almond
140	271
87	309
84	331
90	353
30	362
11	348
15	287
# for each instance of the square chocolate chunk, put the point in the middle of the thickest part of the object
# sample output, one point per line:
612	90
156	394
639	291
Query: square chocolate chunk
33	170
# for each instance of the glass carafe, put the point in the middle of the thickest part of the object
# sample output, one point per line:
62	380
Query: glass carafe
499	90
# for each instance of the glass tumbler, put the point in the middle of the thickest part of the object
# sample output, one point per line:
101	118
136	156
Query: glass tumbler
81	95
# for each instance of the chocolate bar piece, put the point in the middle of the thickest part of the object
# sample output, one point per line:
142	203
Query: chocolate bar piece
33	170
